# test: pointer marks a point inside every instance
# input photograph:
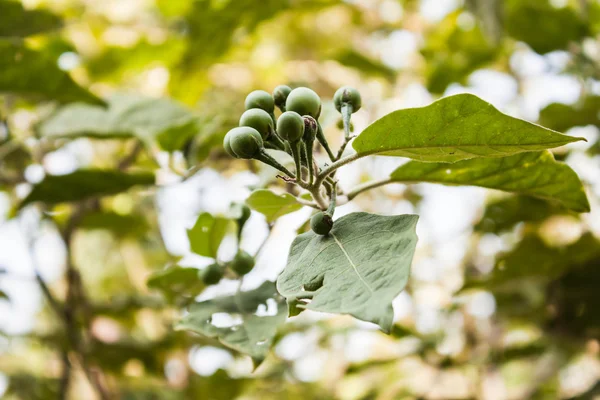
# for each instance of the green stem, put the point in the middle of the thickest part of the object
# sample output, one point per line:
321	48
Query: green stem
346	114
321	138
276	141
332	199
309	161
272	115
337	164
264	157
368	186
296	146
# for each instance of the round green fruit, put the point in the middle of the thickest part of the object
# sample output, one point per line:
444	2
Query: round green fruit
280	95
347	95
242	263
227	145
259	120
212	274
290	126
321	223
304	101
260	99
245	142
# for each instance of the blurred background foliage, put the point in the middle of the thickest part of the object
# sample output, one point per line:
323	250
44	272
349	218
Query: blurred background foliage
112	118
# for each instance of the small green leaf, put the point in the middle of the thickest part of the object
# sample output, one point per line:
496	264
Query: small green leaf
454	128
272	205
533	174
207	234
85	183
163	120
563	117
30	73
358	269
4	296
177	281
15	21
256	315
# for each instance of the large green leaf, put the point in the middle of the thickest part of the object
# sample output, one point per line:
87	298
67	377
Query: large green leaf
207	234
28	72
358	269
256	315
85	183
454	128
542	25
163	120
563	117
18	22
535	174
272	205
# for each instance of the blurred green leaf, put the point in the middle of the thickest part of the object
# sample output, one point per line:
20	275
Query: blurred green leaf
85	183
562	117
207	234
3	295
364	64
120	225
163	120
18	22
454	128
532	258
177	281
357	269
272	205
503	214
256	315
31	73
534	174
453	51
542	25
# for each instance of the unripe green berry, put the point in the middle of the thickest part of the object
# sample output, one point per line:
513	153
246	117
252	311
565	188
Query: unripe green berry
242	263
212	274
260	99
304	101
227	145
280	95
290	126
245	142
321	223
259	120
347	95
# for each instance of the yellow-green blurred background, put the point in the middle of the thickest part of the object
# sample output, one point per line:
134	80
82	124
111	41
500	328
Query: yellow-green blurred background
535	335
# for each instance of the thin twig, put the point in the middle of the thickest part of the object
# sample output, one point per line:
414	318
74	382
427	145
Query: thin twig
368	186
129	159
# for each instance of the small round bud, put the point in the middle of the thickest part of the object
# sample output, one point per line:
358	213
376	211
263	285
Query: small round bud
260	99
321	223
290	126
242	263
212	274
280	95
304	101
245	142
310	129
259	120
347	95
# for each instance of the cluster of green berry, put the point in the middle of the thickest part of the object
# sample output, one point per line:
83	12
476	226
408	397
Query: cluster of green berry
241	264
295	132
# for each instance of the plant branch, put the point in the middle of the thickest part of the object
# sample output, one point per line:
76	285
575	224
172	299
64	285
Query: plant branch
325	172
368	186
